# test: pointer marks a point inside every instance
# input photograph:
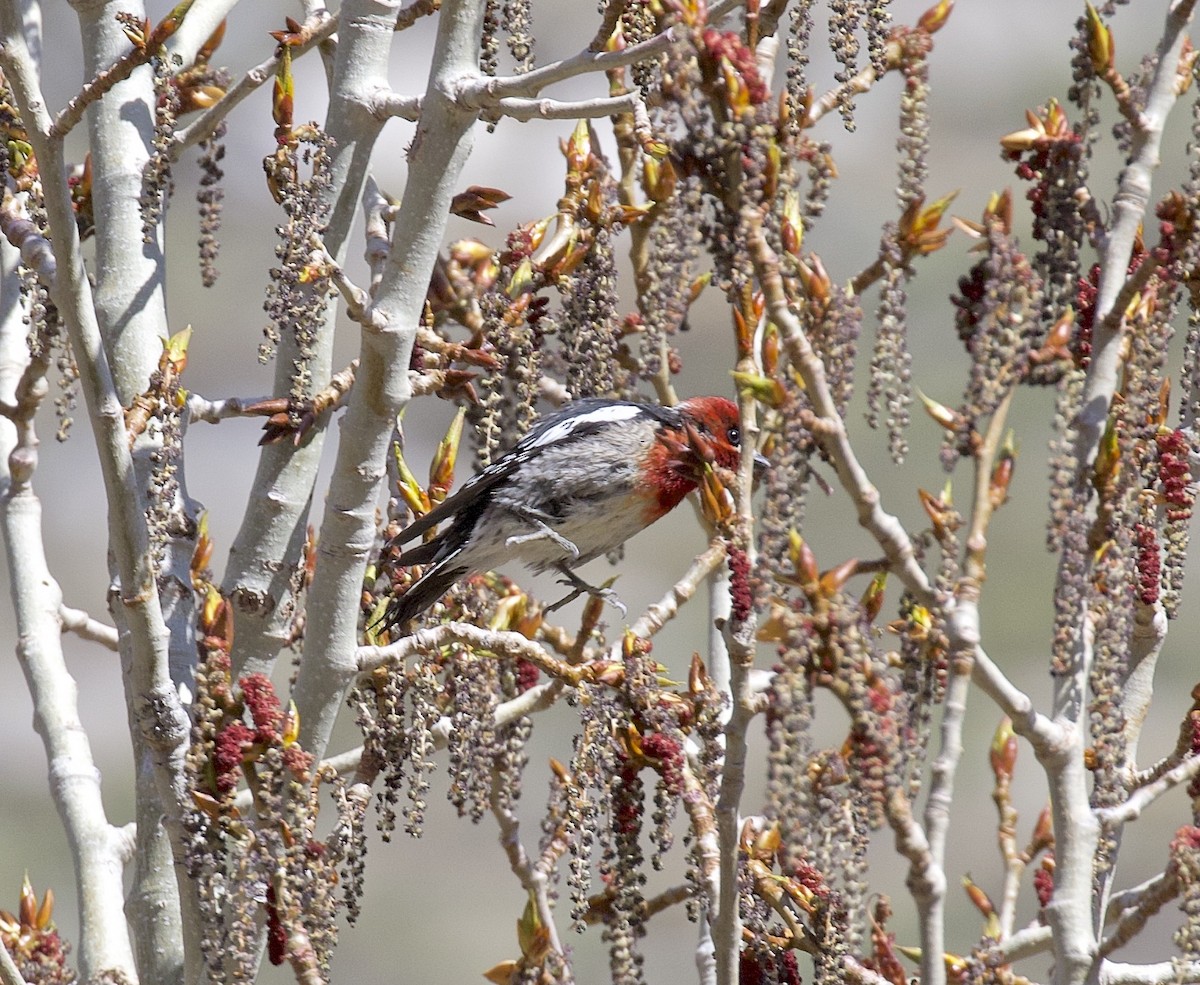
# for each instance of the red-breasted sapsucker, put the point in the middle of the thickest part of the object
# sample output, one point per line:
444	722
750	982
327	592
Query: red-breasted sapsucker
581	482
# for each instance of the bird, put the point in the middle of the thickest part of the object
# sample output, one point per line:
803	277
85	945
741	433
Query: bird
581	482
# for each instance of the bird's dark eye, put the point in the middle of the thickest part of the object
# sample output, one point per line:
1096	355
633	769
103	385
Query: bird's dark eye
734	435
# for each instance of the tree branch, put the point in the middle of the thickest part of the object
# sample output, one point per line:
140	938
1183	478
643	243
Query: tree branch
386	104
348	531
1146	640
1074	911
96	88
666	608
1035	939
10	974
128	304
828	427
1137	907
1143	797
318	29
154	704
517	108
533	878
85	627
930	874
36	252
270	540
1043	733
482	92
1162	973
74	781
507	645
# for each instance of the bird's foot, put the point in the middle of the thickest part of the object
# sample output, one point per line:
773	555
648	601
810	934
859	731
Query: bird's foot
542	531
581	587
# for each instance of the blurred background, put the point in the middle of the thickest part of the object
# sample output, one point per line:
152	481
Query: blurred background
444	910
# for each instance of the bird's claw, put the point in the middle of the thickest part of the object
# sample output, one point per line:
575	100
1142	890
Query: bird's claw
581	587
613	599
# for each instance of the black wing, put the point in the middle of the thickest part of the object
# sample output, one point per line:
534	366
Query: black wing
472	490
577	419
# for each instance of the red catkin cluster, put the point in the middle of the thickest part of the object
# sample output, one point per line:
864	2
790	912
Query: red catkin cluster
811	879
276	932
1149	564
739	584
260	699
729	46
669	754
1043	885
297	762
627	808
519	246
526	673
1086	292
1174	475
1186	838
1194	722
758	968
1085	315
228	754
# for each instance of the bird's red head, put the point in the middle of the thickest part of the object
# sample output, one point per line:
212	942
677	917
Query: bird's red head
716	425
710	433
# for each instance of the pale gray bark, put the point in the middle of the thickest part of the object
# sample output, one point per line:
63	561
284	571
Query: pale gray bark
439	150
104	944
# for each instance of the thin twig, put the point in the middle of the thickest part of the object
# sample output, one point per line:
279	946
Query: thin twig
613	10
358	301
983	506
202	127
480	93
36	252
518	108
856	85
10	974
414	11
376	231
1045	735
509	645
1130	289
215	411
1143	797
1031	940
1162	973
600	906
532	877
666	608
95	89
829	428
703	822
387	104
85	627
860	975
1154	895
927	876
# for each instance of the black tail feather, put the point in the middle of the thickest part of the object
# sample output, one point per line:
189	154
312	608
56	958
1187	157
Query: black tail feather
426	590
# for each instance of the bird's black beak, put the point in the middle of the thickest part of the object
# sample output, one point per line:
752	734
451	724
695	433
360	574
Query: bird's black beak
761	464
